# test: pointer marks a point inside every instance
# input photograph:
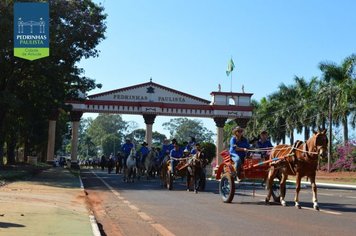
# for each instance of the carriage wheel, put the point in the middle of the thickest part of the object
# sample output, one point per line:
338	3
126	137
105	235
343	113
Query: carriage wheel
276	191
169	180
227	188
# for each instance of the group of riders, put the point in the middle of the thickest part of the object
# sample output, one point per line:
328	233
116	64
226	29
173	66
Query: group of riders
170	150
239	148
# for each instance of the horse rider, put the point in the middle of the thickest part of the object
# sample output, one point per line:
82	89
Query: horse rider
111	163
126	149
174	155
186	153
103	162
264	142
144	150
198	150
238	147
191	143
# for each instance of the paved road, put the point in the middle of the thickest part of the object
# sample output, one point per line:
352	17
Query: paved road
152	210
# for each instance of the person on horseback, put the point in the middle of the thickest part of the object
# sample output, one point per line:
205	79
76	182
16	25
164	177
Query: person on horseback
197	149
126	149
238	147
103	162
144	150
175	154
191	143
111	163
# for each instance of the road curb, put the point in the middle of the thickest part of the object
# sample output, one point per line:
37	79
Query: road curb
93	222
330	185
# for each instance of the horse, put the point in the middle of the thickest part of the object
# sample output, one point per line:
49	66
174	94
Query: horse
131	169
119	162
299	160
164	169
195	171
150	163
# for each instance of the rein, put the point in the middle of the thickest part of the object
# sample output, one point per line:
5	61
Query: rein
304	151
280	149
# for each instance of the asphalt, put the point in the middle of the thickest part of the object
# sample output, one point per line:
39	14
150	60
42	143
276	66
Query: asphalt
53	203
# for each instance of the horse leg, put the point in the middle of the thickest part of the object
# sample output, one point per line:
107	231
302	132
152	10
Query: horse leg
282	187
271	175
297	190
314	189
125	174
197	175
188	179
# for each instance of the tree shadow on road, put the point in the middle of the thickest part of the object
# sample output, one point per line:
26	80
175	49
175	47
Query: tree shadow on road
10	225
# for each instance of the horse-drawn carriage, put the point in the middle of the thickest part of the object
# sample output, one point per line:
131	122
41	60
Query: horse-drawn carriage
299	159
252	169
191	167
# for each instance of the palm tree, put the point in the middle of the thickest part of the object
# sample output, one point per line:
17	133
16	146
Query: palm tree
341	76
287	101
353	106
307	104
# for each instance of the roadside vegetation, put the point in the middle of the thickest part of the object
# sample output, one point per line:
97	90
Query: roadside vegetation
306	106
20	171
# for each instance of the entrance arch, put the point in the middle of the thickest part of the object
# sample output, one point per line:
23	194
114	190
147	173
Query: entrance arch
151	100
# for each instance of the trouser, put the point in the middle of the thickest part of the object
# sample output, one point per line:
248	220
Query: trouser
173	164
238	161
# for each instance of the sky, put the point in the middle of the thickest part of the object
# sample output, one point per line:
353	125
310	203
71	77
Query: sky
186	45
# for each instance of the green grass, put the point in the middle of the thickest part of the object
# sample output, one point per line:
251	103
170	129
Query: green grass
20	172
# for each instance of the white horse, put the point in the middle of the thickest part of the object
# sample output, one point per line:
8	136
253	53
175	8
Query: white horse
130	172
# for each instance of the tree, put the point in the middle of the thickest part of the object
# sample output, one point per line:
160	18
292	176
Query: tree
107	131
33	90
344	78
307	104
209	150
183	128
138	136
158	138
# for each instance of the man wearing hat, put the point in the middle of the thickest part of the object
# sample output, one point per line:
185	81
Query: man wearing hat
238	147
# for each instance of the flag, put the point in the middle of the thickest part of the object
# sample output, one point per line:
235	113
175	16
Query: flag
230	67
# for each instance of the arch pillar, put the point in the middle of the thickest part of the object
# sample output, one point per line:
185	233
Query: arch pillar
51	136
75	118
220	123
149	120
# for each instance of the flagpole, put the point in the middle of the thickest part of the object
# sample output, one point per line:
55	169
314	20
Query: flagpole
231	83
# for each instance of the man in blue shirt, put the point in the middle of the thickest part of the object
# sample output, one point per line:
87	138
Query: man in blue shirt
191	143
126	149
166	149
174	155
238	147
144	150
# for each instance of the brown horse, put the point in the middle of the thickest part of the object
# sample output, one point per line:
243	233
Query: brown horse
300	160
195	171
